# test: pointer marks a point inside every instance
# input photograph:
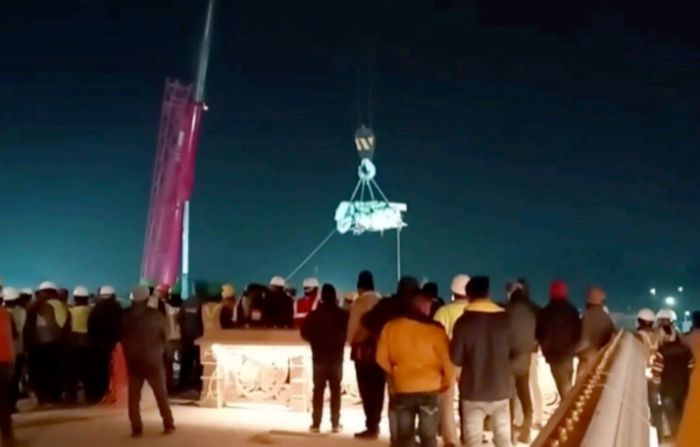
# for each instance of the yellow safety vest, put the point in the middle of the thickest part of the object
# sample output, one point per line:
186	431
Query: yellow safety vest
79	319
60	312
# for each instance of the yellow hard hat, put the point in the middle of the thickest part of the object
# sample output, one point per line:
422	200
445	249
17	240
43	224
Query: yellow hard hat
228	291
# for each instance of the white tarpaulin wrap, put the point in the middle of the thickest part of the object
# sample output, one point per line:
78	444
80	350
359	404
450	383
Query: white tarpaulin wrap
374	215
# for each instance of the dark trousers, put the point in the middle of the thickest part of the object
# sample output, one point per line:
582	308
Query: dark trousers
406	408
169	359
17	374
6	372
331	374
371	382
656	409
45	372
155	376
522	390
673	409
77	366
98	372
563	373
190	366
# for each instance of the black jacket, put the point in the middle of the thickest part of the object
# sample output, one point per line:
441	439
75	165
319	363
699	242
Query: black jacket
674	358
279	310
190	319
144	335
522	315
104	323
558	331
326	329
480	345
386	310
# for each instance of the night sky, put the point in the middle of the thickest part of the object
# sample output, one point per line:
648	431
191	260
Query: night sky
545	140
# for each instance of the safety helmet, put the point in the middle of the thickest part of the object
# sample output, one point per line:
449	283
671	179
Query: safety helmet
667	314
228	291
10	294
311	283
107	290
47	285
27	291
646	315
81	291
277	281
459	284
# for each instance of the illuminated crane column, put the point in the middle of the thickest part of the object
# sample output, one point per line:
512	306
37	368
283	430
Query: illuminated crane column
166	248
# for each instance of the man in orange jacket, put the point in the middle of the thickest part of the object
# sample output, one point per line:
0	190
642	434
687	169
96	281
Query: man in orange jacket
414	352
7	368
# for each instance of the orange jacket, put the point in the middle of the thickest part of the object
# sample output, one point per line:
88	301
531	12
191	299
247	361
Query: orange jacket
416	356
7	344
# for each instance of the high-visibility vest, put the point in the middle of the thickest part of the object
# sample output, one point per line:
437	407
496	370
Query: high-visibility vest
79	319
60	312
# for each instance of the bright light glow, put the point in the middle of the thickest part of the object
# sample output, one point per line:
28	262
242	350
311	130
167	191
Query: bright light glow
686	313
680	289
652	291
374	215
670	301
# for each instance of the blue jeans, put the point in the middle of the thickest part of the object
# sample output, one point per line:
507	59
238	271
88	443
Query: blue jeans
409	406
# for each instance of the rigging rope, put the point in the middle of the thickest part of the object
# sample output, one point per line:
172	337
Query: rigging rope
311	255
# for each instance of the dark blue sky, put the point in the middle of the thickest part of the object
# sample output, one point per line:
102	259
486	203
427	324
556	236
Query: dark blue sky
545	141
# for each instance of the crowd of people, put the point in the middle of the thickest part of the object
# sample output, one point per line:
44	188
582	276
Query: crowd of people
413	346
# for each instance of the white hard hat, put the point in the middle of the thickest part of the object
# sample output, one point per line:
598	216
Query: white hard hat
311	283
107	290
47	285
277	281
459	284
27	291
646	315
81	291
666	314
10	294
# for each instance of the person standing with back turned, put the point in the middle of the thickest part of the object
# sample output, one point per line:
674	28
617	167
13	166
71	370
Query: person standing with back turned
481	347
325	328
144	335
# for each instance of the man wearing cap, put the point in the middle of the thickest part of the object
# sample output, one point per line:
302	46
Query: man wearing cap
42	335
104	325
597	328
78	345
279	307
307	303
143	336
558	332
19	316
447	316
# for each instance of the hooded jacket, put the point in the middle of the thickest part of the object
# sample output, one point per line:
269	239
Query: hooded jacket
481	347
326	329
558	330
144	334
414	351
522	315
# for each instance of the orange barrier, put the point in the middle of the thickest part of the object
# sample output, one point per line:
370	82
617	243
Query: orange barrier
118	380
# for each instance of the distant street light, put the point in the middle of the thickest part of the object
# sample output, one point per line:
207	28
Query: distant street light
652	291
680	289
670	301
686	313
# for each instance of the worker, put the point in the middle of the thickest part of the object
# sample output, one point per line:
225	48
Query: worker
447	316
689	430
414	352
143	337
79	344
191	325
522	315
159	298
104	323
692	338
325	328
558	331
172	309
370	376
597	329
228	317
279	307
647	335
7	369
11	300
42	336
430	289
304	305
671	369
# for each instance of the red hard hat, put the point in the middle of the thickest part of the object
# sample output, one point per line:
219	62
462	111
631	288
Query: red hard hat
558	290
